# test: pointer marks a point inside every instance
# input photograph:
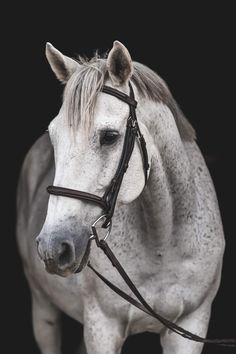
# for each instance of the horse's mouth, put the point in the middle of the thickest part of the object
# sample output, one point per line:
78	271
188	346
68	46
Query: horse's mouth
52	268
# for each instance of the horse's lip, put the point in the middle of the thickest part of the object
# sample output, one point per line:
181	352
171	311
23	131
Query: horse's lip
50	265
52	268
73	269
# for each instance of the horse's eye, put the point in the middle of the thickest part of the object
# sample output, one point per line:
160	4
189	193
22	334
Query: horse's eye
108	137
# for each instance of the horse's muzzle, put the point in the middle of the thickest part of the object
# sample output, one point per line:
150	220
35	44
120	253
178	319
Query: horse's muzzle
64	253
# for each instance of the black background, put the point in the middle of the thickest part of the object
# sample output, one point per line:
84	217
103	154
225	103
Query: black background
192	48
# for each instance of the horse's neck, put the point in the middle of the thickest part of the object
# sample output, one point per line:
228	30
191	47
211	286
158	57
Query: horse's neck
169	196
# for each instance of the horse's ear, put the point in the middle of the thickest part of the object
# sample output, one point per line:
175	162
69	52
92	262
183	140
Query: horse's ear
119	64
61	65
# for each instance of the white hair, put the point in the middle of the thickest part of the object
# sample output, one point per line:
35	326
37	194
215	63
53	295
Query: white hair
83	87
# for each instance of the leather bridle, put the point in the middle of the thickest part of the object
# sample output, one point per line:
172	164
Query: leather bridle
108	202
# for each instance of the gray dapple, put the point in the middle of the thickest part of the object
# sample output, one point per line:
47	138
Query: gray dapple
168	235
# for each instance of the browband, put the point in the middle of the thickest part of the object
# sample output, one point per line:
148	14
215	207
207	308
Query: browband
120	95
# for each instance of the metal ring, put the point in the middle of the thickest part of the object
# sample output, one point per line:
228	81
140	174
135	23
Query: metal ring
100	218
109	226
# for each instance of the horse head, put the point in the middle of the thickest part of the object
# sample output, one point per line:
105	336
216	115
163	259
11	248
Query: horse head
88	137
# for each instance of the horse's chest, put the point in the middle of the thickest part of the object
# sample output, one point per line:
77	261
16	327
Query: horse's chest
165	299
163	296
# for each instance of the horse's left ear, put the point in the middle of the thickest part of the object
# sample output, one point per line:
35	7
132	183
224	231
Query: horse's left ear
61	65
119	64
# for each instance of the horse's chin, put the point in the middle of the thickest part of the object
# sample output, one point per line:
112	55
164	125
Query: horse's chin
77	268
61	272
65	273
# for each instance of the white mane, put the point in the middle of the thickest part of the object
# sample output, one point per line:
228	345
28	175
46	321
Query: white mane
83	87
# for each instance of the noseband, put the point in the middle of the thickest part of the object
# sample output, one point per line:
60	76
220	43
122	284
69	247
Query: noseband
108	203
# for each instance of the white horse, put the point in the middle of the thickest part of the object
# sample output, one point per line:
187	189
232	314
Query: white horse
167	235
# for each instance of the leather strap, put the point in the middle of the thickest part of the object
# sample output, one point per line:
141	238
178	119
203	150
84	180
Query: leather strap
113	189
132	131
144	306
72	193
120	95
140	137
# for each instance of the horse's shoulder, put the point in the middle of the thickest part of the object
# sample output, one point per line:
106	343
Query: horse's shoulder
203	219
204	185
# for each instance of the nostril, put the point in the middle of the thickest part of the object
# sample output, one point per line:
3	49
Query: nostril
66	254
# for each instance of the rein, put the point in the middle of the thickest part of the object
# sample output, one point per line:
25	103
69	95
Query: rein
108	202
142	304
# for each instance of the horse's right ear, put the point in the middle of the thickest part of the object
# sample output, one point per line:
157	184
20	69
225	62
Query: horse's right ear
61	65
